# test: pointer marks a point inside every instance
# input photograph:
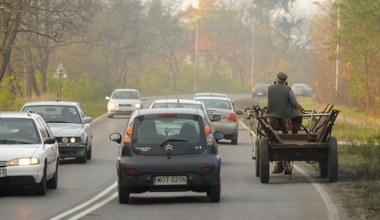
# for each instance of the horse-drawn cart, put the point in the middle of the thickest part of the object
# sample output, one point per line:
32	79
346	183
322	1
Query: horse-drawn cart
312	143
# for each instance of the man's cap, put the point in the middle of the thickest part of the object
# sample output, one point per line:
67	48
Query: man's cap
281	77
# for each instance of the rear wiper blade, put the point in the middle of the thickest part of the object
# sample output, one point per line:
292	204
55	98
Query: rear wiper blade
174	140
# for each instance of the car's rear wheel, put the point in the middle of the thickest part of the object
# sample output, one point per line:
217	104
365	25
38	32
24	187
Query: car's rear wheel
123	195
214	194
53	182
40	188
234	140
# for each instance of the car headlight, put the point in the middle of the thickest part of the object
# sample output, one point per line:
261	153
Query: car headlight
137	105
111	105
71	139
24	161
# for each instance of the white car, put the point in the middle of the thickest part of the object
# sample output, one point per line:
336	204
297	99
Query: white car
70	126
123	102
29	153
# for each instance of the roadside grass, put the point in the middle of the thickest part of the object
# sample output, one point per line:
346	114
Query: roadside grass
358	188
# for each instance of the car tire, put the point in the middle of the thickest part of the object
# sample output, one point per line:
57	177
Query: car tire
214	193
234	140
53	182
83	158
89	152
123	195
110	116
40	188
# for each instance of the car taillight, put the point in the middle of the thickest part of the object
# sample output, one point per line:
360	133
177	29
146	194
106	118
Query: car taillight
207	129
207	168
210	139
232	117
127	137
131	170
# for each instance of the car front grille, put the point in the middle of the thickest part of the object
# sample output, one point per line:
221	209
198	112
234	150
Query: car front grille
125	105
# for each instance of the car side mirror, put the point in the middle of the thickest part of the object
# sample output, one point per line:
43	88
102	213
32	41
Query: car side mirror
218	135
87	120
116	137
49	141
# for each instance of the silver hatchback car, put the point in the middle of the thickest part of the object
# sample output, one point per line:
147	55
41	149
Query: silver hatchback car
168	149
228	124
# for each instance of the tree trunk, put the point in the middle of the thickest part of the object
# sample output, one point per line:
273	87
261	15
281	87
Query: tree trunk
9	38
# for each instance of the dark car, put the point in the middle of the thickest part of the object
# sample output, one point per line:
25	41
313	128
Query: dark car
302	89
260	90
168	149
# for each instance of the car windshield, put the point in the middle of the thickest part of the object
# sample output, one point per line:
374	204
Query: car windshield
216	103
18	131
125	95
155	135
56	113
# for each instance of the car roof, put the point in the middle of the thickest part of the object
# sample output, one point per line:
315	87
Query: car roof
134	90
187	101
212	98
26	115
209	94
57	103
169	110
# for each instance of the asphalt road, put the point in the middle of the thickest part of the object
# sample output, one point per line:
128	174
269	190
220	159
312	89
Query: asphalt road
88	191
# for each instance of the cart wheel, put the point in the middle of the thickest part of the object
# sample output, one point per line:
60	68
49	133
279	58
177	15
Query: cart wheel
257	160
264	160
323	168
333	160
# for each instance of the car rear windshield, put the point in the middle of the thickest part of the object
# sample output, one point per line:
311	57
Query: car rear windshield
169	134
216	103
18	131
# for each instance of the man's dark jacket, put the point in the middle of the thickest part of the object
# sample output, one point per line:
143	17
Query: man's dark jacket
279	104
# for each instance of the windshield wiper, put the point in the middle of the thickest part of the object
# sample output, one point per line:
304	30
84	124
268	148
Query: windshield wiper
7	141
174	139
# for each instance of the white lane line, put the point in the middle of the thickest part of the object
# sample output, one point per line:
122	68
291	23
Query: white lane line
68	212
94	207
332	211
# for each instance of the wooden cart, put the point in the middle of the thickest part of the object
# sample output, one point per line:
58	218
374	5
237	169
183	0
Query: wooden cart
312	143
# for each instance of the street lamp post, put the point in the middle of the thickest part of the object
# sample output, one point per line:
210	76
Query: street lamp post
196	56
337	50
253	55
337	56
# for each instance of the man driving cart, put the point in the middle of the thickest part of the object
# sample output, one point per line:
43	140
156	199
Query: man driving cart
282	106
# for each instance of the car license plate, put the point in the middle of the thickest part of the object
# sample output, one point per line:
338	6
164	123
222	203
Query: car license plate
3	173
169	180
